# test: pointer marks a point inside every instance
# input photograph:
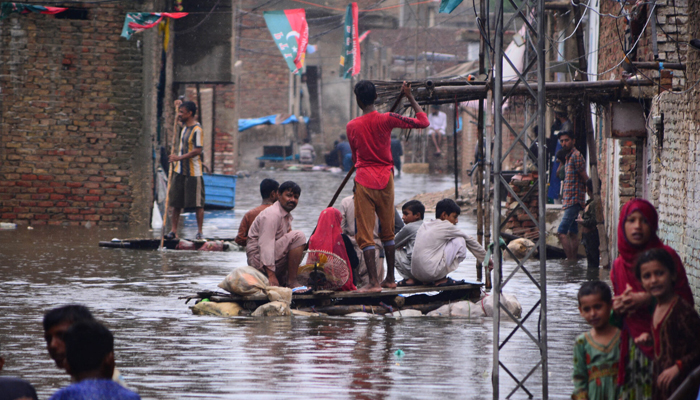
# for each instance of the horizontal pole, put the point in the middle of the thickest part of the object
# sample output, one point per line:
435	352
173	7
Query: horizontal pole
656	65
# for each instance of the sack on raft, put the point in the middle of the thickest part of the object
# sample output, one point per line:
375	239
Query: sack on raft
281	294
212	245
185	245
459	309
508	300
245	281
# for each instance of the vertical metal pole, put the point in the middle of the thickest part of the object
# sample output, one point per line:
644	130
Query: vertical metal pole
496	216
542	195
454	140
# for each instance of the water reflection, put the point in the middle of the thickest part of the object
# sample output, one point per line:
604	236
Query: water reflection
165	352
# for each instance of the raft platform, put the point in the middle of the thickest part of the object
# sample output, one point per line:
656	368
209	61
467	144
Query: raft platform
153	244
424	298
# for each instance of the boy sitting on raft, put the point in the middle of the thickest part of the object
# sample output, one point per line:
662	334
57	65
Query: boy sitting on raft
413	212
440	246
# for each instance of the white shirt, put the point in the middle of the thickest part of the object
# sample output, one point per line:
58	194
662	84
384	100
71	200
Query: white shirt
429	263
438	123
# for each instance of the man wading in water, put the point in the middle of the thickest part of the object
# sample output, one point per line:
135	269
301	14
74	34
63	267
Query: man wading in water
370	142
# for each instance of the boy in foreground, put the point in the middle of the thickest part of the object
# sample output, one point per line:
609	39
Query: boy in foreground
413	213
268	191
56	323
90	362
440	246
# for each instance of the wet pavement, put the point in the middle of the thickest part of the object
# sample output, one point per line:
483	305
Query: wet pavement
165	352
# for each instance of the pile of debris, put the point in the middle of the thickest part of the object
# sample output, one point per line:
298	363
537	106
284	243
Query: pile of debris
520	224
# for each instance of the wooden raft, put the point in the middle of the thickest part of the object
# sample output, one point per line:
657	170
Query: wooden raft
152	244
423	298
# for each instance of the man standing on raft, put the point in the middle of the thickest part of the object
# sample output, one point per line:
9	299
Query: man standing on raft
370	140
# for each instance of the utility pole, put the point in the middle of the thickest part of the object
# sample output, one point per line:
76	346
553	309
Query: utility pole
590	141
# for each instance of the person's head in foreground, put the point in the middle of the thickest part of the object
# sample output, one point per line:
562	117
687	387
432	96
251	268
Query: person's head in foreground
89	351
447	210
268	189
365	94
288	195
412	211
595	303
56	322
656	270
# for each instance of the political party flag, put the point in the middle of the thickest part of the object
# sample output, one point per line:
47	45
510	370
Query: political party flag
8	8
447	6
364	36
290	31
138	22
350	56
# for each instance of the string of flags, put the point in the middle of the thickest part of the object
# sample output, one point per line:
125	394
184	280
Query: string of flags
289	29
19	8
140	21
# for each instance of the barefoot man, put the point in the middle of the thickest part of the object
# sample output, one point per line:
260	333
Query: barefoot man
370	141
273	247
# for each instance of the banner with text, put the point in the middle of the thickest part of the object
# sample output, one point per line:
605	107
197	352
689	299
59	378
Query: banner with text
350	57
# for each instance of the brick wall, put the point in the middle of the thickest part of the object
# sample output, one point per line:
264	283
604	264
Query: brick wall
71	118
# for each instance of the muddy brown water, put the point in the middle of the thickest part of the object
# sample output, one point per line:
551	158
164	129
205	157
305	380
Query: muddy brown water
165	352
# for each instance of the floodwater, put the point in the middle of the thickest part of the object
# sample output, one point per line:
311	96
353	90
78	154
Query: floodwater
166	352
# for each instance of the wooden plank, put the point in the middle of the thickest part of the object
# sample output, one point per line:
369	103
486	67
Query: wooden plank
354	294
149	244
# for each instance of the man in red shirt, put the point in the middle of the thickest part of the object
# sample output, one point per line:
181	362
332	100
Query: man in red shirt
370	140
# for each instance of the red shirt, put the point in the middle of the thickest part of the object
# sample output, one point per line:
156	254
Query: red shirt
370	140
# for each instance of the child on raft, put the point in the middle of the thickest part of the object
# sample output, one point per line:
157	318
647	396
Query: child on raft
413	213
440	246
596	352
675	324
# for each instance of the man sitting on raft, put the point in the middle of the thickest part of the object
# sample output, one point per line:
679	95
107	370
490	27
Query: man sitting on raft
273	247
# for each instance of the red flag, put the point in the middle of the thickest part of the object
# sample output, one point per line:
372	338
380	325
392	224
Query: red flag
297	20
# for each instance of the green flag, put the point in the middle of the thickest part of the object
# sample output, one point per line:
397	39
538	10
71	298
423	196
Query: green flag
447	6
350	56
290	31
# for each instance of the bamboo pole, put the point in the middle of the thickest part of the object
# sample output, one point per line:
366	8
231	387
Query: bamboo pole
454	141
593	155
170	177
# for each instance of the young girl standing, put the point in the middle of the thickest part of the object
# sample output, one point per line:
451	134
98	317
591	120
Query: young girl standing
675	324
636	233
596	352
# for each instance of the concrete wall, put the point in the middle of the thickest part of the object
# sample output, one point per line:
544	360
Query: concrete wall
74	144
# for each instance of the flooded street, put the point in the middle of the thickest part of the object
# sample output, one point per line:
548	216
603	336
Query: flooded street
165	352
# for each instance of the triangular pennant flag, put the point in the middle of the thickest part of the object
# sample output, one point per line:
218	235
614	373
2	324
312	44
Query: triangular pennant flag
350	57
139	22
8	8
290	32
447	6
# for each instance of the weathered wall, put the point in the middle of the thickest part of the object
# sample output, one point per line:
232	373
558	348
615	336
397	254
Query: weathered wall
72	147
674	182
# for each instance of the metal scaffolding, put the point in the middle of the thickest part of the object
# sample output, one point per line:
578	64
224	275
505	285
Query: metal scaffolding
531	14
